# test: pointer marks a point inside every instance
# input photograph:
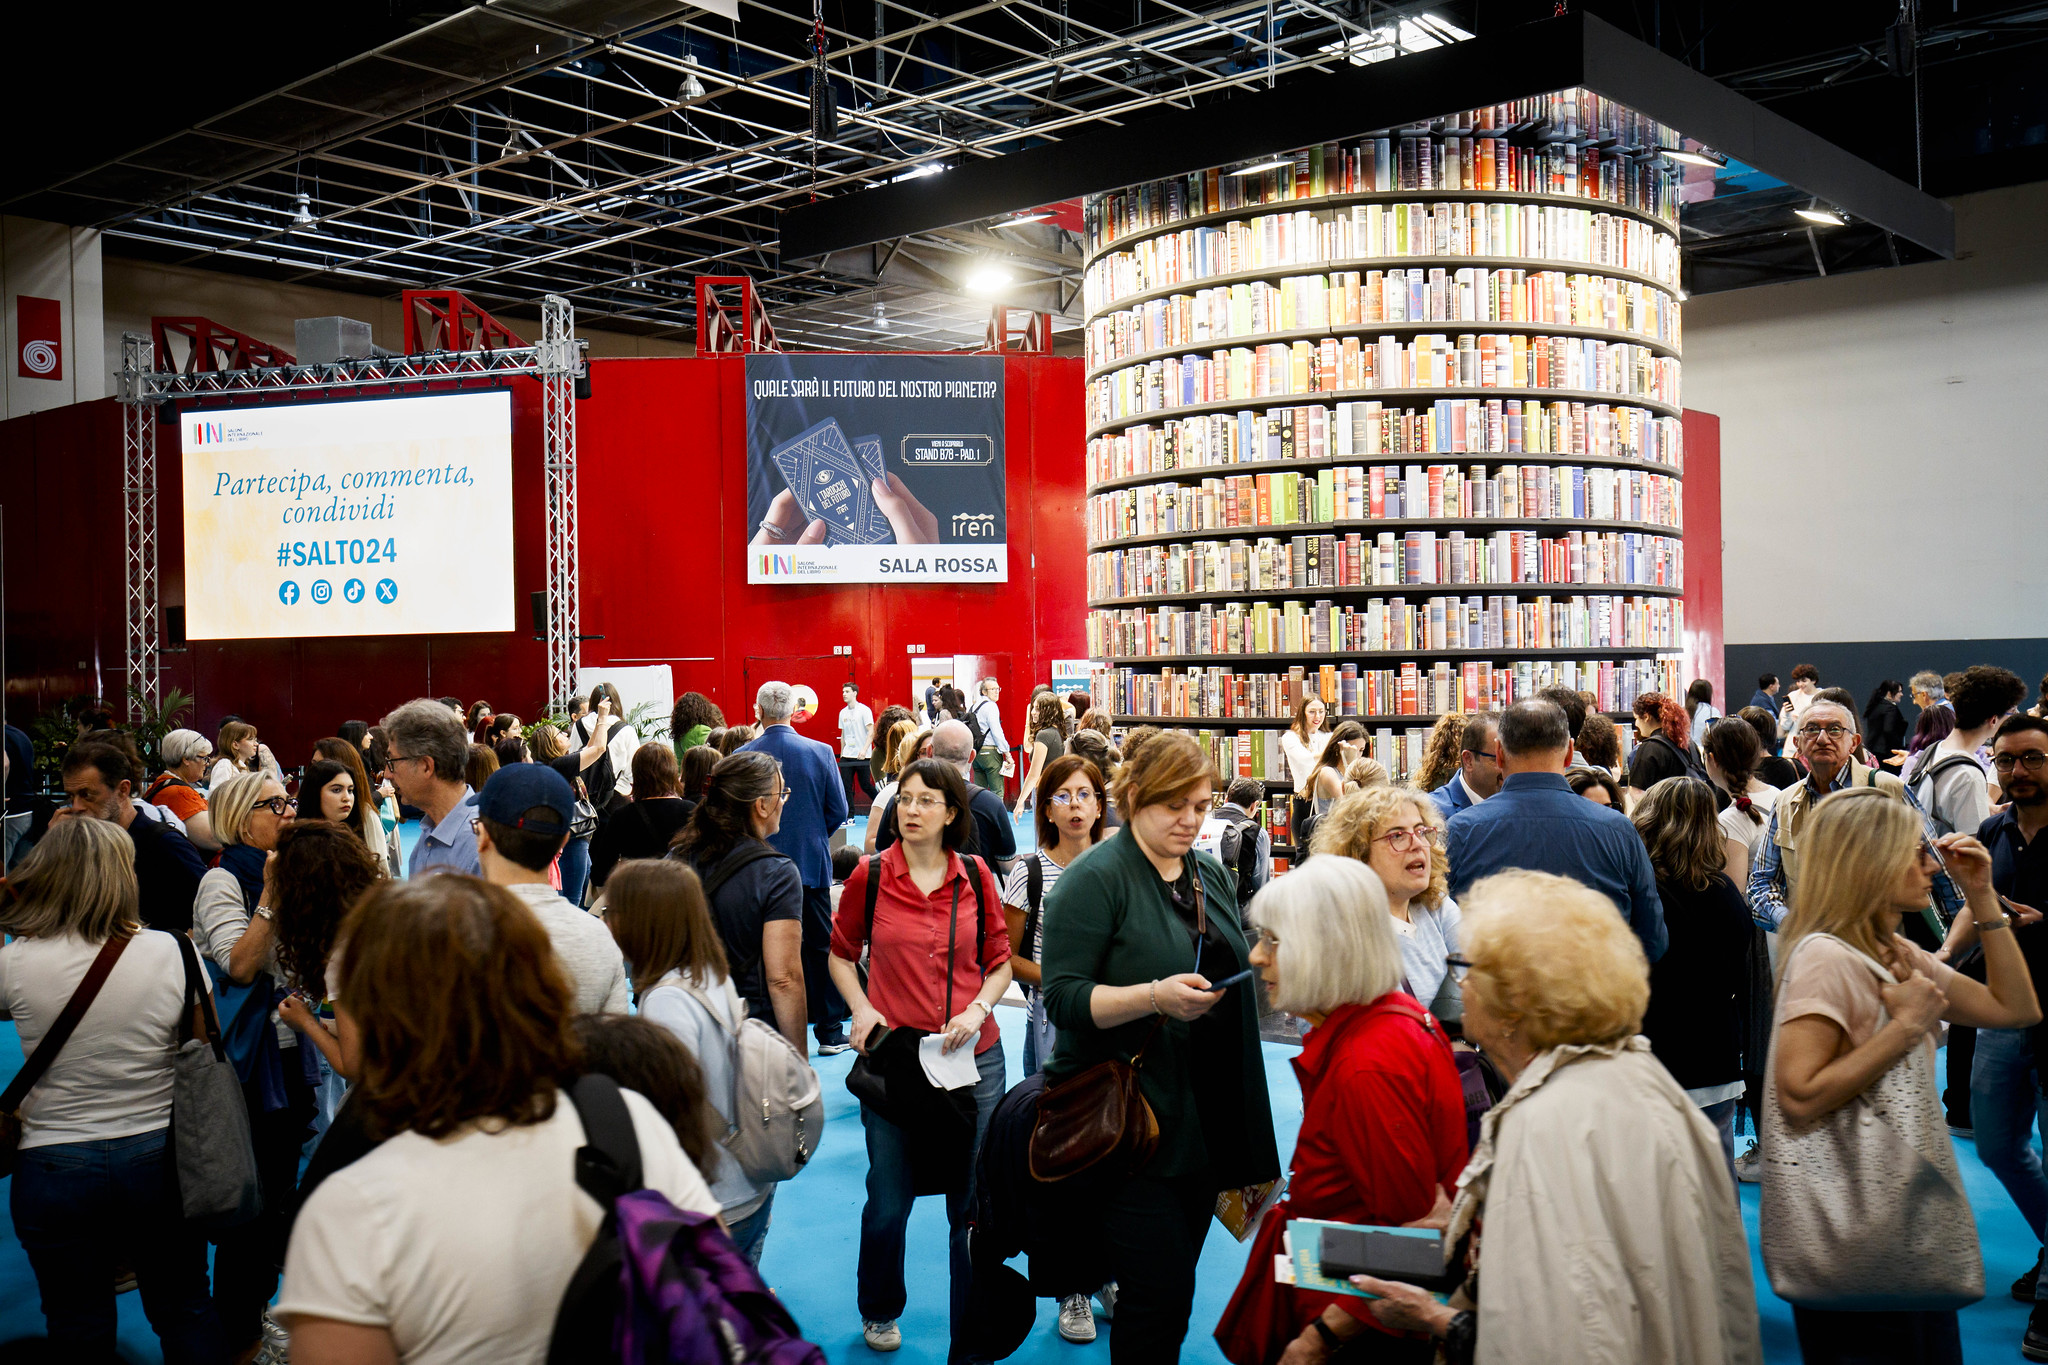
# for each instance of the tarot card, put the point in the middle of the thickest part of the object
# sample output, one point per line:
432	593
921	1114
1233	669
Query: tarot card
870	450
829	483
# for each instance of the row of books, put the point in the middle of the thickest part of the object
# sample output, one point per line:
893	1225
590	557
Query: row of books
1350	298
1412	689
1388	626
1461	426
1421	558
1362	235
1286	497
1485	360
1570	142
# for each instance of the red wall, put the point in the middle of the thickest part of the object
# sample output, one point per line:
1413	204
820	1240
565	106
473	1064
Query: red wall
1702	510
661	479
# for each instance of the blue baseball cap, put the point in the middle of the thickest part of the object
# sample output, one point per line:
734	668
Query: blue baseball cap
517	788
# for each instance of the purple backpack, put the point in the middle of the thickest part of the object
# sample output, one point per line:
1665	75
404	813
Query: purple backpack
659	1284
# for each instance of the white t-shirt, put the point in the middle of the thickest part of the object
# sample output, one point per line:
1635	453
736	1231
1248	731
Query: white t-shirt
1017	893
1301	758
223	769
619	742
1736	825
584	947
113	1077
676	1010
856	731
462	1246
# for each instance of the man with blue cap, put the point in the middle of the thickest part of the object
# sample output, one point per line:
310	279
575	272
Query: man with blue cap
522	820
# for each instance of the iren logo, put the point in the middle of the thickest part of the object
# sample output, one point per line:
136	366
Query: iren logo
974	525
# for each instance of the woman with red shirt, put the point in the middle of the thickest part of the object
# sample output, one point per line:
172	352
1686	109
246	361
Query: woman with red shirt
924	975
1383	1123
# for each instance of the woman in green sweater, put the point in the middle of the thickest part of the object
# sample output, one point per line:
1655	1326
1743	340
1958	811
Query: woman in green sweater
695	717
1136	930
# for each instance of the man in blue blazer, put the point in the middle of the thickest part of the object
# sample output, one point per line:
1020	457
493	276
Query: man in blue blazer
1478	775
816	807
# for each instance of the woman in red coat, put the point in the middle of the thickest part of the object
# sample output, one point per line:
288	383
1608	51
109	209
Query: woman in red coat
1383	1124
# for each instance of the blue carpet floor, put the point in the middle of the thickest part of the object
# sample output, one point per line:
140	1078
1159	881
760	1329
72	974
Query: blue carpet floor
812	1247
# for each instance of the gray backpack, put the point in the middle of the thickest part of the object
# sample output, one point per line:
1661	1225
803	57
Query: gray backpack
777	1107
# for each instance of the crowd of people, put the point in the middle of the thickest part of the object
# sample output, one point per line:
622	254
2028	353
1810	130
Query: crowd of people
1542	988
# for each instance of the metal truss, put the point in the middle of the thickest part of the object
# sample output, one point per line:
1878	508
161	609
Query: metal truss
557	362
144	598
622	158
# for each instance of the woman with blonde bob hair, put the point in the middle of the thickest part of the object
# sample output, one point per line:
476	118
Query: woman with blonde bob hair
1383	1122
1855	1001
1136	931
94	1178
1399	833
456	1015
1593	1148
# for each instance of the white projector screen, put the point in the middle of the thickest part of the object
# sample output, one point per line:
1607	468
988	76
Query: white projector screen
380	516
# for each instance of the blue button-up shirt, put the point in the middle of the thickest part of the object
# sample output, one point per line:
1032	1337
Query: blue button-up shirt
1767	888
1537	822
451	843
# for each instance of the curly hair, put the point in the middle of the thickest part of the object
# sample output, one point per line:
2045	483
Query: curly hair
322	870
463	1009
1551	957
1676	820
1440	755
1600	742
694	709
1669	716
1359	817
1048	712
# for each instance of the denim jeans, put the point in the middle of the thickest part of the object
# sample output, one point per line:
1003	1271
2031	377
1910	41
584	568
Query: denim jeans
2005	1099
80	1206
575	864
1039	1035
881	1291
1722	1115
828	1009
751	1232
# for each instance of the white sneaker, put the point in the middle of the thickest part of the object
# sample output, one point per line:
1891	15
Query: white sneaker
1749	1167
1105	1302
1077	1322
881	1336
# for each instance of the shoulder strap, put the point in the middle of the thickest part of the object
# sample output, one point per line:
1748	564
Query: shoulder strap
1034	890
1420	1016
74	1010
753	851
872	864
975	872
199	1014
608	1164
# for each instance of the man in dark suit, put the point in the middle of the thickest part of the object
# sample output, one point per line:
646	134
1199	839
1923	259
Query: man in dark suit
816	807
1478	775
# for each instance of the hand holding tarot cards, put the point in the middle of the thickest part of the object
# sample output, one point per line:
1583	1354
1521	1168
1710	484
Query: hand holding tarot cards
830	482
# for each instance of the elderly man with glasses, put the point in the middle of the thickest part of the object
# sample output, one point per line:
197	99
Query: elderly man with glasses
427	757
1826	740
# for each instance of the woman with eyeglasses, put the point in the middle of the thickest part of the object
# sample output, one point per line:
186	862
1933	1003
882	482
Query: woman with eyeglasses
1611	1228
938	959
1399	833
234	925
1383	1111
1136	934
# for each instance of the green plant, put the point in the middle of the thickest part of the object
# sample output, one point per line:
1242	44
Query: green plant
153	722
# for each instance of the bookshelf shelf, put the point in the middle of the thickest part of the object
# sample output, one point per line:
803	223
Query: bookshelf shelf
1560	524
1292	334
1188	475
1126	241
1404	590
1294	400
1588	154
1275	273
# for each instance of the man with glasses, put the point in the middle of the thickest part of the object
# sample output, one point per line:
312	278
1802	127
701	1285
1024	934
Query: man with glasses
426	757
2005	1081
1536	822
1478	775
101	784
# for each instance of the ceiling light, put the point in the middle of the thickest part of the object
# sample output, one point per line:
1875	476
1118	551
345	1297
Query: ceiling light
1036	216
1273	165
302	214
514	151
1690	158
989	279
881	322
692	89
1816	212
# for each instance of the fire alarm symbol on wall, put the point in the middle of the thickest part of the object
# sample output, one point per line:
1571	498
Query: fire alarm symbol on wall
39	330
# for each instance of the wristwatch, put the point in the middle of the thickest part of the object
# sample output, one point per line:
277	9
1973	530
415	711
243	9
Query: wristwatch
1330	1338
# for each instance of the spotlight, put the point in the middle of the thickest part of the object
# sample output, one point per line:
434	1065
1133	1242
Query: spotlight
302	214
1816	212
692	88
1035	216
1707	159
514	151
989	279
881	322
1275	164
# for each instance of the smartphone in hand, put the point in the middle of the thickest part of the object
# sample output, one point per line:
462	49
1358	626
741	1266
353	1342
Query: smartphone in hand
1218	987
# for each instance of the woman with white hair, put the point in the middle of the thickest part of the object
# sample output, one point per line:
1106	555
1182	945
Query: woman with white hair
186	754
1383	1114
1612	1235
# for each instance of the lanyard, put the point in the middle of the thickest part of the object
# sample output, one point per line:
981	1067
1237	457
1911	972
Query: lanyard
952	937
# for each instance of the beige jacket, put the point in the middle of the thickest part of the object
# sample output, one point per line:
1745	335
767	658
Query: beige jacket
1610	1231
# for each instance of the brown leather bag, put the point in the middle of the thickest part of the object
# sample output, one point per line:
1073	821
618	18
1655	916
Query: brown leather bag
1099	1118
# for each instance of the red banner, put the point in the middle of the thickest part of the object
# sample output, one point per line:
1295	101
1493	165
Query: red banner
39	333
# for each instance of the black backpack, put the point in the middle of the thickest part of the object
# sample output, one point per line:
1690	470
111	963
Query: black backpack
974	726
1242	858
